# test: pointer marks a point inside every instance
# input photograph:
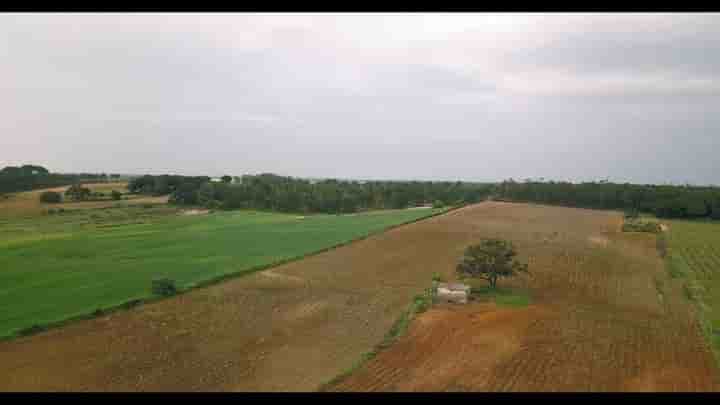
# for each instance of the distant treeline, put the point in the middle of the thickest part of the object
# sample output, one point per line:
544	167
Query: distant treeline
288	194
31	177
662	200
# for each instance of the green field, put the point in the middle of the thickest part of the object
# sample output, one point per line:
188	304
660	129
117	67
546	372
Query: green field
694	254
57	267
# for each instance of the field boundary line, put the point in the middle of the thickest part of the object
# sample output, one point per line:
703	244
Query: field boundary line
420	304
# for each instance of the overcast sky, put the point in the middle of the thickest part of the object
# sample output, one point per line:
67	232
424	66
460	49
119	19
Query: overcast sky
627	97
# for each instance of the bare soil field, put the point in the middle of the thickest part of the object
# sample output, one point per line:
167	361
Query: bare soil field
604	316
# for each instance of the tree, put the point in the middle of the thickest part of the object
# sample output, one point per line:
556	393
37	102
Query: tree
184	194
696	207
116	195
51	197
489	260
205	195
715	214
160	185
226	179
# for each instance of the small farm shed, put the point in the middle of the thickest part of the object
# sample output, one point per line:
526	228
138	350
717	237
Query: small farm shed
453	292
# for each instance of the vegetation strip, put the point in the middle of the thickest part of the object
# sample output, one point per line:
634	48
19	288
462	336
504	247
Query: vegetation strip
420	304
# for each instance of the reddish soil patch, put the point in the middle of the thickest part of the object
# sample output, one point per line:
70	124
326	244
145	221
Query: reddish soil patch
597	322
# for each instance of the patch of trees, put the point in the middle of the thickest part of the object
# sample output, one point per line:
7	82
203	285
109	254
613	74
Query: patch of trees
51	197
164	184
289	194
665	201
32	177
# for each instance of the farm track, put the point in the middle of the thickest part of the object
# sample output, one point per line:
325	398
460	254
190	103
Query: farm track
596	322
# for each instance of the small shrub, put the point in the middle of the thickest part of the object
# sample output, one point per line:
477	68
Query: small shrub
636	225
31	330
438	204
131	304
632	214
98	312
78	193
51	197
215	204
51	211
164	287
661	244
116	195
421	303
438	278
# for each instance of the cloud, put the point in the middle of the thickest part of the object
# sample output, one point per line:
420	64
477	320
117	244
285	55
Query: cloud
452	96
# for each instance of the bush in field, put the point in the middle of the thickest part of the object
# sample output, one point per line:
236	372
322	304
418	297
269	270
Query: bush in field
641	226
77	192
116	195
661	244
490	260
50	197
438	204
31	330
163	287
632	214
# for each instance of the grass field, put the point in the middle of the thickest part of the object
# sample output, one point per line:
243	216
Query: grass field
56	267
694	253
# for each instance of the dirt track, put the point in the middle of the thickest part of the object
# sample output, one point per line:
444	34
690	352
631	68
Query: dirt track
296	326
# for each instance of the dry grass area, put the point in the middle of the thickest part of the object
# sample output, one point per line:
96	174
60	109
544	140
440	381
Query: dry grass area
604	317
27	203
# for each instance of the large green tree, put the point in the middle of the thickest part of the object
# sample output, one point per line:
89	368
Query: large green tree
490	260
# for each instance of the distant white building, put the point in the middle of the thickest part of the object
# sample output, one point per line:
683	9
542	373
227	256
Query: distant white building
216	180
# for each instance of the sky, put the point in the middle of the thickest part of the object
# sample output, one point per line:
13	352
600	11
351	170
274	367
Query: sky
456	96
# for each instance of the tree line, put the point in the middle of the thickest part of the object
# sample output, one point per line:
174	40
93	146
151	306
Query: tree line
288	194
31	177
666	201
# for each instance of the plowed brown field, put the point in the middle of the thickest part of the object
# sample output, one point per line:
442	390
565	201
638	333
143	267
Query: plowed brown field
604	317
